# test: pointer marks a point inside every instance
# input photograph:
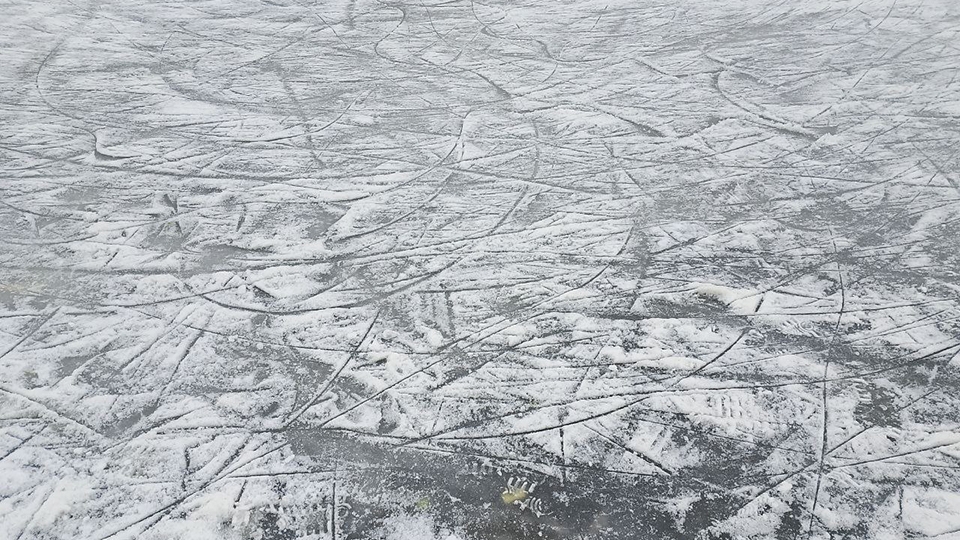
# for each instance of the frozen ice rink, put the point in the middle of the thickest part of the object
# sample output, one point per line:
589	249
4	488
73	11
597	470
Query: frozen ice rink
457	270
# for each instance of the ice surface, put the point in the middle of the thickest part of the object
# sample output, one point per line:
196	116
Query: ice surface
356	269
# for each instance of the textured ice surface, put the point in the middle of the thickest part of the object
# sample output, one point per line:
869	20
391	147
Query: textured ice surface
465	270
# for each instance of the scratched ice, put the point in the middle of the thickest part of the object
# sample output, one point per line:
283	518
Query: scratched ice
451	269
